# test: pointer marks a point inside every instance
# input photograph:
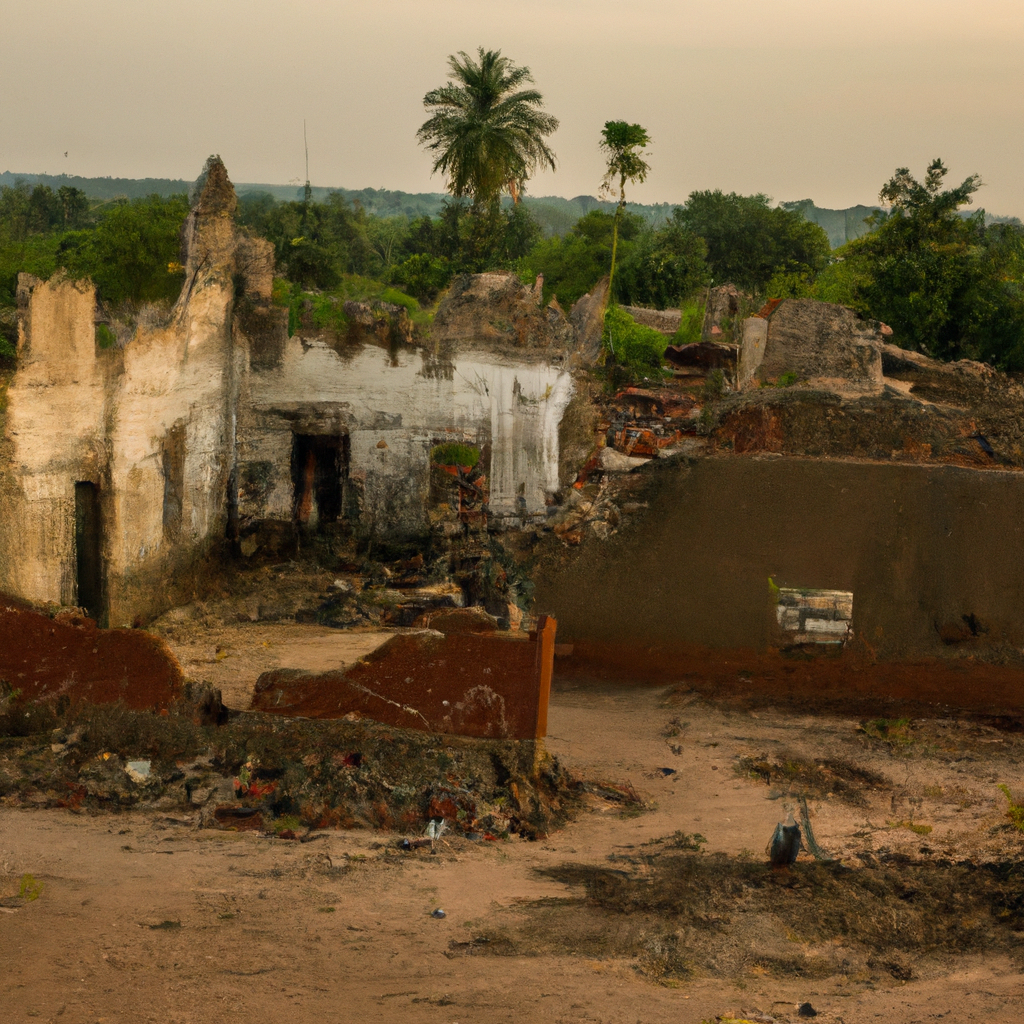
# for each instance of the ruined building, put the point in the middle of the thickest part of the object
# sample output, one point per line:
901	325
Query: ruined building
800	484
121	467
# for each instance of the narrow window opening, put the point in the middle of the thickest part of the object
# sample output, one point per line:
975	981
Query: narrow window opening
88	548
173	458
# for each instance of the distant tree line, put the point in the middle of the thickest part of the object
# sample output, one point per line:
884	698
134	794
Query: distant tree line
947	284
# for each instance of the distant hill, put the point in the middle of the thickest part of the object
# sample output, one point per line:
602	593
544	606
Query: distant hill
555	214
841	226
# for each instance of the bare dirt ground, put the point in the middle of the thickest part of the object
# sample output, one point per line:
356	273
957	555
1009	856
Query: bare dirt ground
232	658
144	916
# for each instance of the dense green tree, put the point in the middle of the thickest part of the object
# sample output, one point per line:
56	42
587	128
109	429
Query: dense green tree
622	143
948	285
663	267
573	264
132	254
749	242
487	132
314	243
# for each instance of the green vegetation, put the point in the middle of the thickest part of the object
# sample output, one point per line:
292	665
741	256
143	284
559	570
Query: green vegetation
30	889
129	249
621	143
454	454
1015	811
631	346
487	132
949	285
749	242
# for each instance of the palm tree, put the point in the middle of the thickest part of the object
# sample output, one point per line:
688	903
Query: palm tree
622	141
487	132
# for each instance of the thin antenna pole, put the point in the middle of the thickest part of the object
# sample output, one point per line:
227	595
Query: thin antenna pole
308	194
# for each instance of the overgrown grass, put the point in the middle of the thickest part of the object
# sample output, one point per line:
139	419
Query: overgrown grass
1015	811
637	349
677	916
819	778
454	454
691	323
327	309
895	733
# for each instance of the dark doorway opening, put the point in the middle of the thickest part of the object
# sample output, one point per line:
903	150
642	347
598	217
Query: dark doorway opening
319	473
88	550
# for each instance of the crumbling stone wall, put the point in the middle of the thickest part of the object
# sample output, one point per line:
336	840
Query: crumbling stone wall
812	340
149	425
190	429
393	407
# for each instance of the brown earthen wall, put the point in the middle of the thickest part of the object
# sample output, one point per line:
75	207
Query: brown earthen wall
934	556
489	686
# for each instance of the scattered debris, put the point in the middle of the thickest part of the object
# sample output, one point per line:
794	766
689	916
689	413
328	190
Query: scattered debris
137	771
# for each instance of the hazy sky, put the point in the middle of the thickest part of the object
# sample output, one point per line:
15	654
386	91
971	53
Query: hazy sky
818	99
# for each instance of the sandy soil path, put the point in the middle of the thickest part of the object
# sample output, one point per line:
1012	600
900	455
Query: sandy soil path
146	918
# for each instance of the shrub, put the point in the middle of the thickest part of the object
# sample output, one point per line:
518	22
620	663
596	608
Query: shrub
454	454
630	344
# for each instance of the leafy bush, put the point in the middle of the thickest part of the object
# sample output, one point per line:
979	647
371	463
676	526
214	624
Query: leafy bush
631	345
749	242
574	264
105	337
131	255
1015	811
691	323
454	454
423	275
397	298
663	267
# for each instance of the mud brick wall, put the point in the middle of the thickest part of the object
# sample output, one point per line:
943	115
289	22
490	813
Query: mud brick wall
934	557
489	686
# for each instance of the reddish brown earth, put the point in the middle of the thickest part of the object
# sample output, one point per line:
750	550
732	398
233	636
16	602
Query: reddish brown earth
851	683
485	685
148	916
68	656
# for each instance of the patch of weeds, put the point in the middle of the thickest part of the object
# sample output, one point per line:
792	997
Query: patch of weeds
714	386
1015	811
894	732
819	778
634	349
105	337
287	823
721	909
918	829
787	379
680	841
30	889
328	312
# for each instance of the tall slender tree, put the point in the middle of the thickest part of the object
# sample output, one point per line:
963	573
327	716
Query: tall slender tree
622	142
488	133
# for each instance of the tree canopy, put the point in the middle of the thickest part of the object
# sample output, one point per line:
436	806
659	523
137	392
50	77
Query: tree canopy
488	133
622	142
749	242
948	285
